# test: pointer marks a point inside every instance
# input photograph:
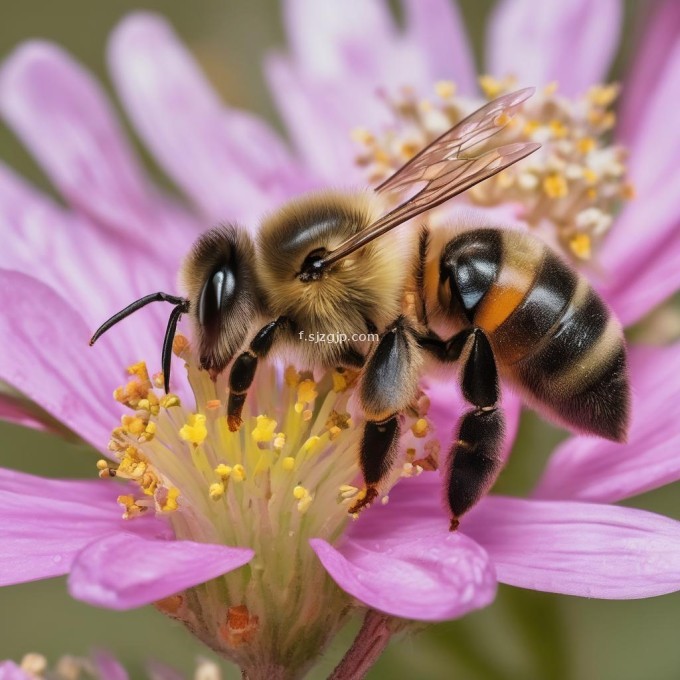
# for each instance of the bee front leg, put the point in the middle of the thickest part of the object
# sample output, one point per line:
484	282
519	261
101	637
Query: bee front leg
389	384
476	458
243	370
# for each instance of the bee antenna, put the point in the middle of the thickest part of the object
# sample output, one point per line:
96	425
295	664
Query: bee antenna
133	307
166	356
181	306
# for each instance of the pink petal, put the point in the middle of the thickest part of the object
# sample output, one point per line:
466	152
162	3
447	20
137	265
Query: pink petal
324	36
62	115
319	120
14	411
10	671
231	164
434	577
587	468
343	53
45	523
648	65
124	571
46	358
82	260
571	42
108	667
437	29
642	255
653	165
583	549
159	671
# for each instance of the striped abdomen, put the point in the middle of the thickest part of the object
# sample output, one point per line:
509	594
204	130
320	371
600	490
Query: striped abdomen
552	335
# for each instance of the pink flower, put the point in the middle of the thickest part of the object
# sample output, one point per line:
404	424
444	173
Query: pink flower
65	269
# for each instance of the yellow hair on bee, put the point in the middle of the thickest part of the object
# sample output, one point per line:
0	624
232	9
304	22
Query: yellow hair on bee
364	288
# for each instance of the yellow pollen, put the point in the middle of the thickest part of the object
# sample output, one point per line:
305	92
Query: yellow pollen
603	95
530	127
334	432
303	497
264	430
279	441
102	464
311	444
491	86
590	175
223	470
195	430
170	503
133	424
157	380
179	345
585	145
238	473
291	376
169	401
555	186
216	491
502	119
445	89
580	245
339	382
130	506
213	404
558	128
420	427
288	463
628	191
362	136
409	149
149	483
140	371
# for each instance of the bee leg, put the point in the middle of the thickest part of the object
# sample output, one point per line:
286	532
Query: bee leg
243	370
389	384
445	350
475	458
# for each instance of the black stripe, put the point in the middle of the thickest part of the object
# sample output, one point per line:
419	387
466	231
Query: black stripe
576	334
539	311
471	262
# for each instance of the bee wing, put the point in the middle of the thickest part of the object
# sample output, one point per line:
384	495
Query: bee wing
445	169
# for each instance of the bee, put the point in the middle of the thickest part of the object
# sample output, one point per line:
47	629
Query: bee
319	265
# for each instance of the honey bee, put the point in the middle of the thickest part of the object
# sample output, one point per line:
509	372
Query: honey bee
318	265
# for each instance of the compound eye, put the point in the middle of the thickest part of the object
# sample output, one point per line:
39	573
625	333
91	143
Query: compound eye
217	292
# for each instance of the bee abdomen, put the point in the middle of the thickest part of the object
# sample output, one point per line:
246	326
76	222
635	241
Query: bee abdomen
578	369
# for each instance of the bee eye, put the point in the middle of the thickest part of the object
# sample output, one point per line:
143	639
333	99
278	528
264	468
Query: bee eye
215	297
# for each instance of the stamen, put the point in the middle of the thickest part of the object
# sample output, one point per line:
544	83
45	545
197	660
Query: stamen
577	168
287	476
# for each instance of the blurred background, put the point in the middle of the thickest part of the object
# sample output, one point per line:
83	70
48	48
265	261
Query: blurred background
523	634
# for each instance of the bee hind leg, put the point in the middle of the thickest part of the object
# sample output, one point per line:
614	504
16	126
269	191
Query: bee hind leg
475	459
243	370
389	384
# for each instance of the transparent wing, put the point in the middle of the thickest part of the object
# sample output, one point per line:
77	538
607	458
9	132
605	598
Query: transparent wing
446	169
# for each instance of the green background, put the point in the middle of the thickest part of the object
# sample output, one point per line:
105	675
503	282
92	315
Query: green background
523	635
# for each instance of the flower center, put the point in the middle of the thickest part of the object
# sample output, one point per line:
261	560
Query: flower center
570	188
288	475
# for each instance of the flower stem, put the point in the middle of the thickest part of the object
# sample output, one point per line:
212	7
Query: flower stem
369	644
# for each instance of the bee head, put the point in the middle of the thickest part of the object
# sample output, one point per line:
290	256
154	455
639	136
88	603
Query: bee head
219	275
